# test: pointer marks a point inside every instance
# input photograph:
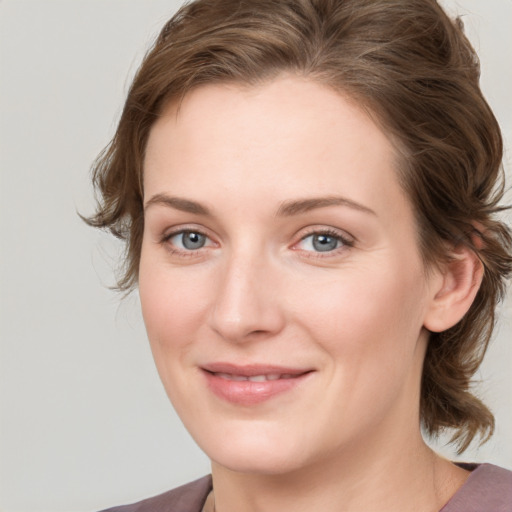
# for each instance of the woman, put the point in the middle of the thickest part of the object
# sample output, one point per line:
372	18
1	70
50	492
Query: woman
308	191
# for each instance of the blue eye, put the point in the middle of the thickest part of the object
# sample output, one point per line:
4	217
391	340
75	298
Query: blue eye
322	242
188	240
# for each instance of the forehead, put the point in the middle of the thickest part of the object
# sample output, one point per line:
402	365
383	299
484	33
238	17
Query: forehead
290	136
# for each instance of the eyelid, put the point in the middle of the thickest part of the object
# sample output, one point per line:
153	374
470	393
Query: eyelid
177	230
183	229
345	238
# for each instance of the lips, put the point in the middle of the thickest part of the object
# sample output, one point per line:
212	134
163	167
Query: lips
255	378
252	384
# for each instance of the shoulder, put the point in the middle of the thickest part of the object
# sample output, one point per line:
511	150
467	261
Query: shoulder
487	488
187	498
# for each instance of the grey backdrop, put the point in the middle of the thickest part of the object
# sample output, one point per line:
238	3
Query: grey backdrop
84	421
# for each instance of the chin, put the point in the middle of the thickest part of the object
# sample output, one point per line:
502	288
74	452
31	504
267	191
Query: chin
254	462
263	453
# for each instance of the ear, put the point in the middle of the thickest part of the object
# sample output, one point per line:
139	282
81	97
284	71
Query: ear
455	288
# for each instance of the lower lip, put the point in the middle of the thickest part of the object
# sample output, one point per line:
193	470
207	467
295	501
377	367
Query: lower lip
246	392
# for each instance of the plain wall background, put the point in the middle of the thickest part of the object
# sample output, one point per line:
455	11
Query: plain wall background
84	420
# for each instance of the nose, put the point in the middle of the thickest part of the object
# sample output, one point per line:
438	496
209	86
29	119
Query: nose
246	304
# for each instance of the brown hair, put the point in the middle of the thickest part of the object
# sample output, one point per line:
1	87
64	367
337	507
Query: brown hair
410	66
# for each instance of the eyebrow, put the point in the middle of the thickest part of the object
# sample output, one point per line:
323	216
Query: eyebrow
287	209
296	207
178	203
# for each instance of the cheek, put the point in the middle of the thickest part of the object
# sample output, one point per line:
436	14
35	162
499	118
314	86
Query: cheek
172	305
370	318
369	329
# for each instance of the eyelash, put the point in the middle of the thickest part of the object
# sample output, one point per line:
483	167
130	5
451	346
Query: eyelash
346	242
187	253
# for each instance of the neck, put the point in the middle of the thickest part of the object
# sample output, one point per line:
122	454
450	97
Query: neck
402	475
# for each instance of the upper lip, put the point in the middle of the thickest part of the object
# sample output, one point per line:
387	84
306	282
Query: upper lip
251	370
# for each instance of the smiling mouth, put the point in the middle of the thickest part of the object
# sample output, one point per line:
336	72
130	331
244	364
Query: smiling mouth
250	385
256	378
253	372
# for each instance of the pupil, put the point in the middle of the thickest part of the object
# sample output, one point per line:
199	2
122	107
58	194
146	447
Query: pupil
323	243
193	240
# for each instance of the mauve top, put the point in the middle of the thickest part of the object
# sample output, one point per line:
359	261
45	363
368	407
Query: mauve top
487	489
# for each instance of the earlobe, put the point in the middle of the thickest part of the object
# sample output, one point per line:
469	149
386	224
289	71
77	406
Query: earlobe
457	286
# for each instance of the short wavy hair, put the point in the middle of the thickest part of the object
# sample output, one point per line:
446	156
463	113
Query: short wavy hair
412	68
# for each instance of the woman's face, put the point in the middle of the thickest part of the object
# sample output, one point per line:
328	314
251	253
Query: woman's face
281	284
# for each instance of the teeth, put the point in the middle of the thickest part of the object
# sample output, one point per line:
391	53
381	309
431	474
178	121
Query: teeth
228	376
258	378
255	378
238	377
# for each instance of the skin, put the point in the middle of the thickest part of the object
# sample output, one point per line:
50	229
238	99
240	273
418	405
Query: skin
259	291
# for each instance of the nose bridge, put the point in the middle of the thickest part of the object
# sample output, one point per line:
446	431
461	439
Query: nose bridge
245	301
